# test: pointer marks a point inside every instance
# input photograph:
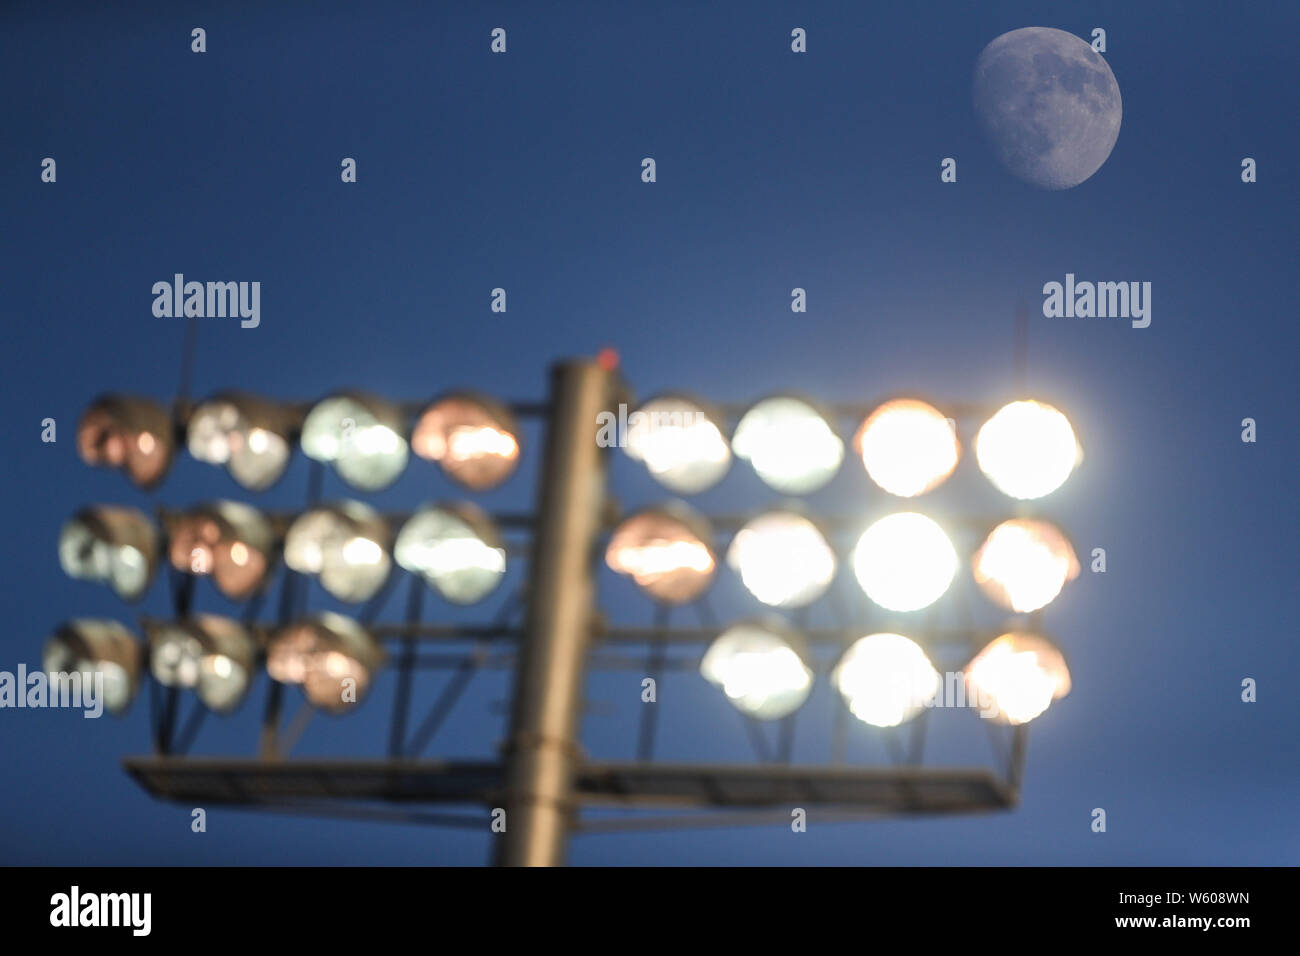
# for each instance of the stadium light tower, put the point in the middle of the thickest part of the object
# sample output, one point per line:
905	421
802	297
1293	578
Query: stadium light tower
787	558
542	746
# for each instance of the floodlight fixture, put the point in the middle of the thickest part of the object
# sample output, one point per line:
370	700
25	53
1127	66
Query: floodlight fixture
791	443
345	545
133	434
230	541
1027	449
213	656
1024	563
904	561
1020	674
681	442
456	548
666	551
331	656
117	546
783	559
361	435
90	646
760	666
908	447
885	679
474	438
251	436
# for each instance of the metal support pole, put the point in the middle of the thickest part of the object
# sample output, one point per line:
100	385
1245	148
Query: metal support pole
542	748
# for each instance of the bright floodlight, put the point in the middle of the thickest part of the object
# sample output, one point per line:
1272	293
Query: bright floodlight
132	434
1023	564
345	544
904	562
474	438
783	559
361	435
790	443
1020	674
456	548
908	447
333	657
93	646
665	550
212	655
249	435
118	546
680	443
759	669
1027	449
228	540
885	679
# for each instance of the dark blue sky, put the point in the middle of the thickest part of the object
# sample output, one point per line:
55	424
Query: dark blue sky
775	170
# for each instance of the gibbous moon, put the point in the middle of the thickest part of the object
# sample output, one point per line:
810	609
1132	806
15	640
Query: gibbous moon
1049	105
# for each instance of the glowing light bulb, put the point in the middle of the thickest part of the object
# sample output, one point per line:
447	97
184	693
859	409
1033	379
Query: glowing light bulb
680	444
908	447
455	548
344	545
791	445
665	551
1027	449
759	670
904	562
783	559
474	438
360	435
248	435
1023	564
885	679
1020	674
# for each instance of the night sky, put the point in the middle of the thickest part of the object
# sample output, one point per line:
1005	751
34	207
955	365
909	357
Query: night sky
775	170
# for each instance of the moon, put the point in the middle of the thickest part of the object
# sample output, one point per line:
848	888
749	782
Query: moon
1049	105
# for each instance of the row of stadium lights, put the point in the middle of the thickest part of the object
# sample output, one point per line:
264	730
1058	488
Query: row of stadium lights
904	561
1027	449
